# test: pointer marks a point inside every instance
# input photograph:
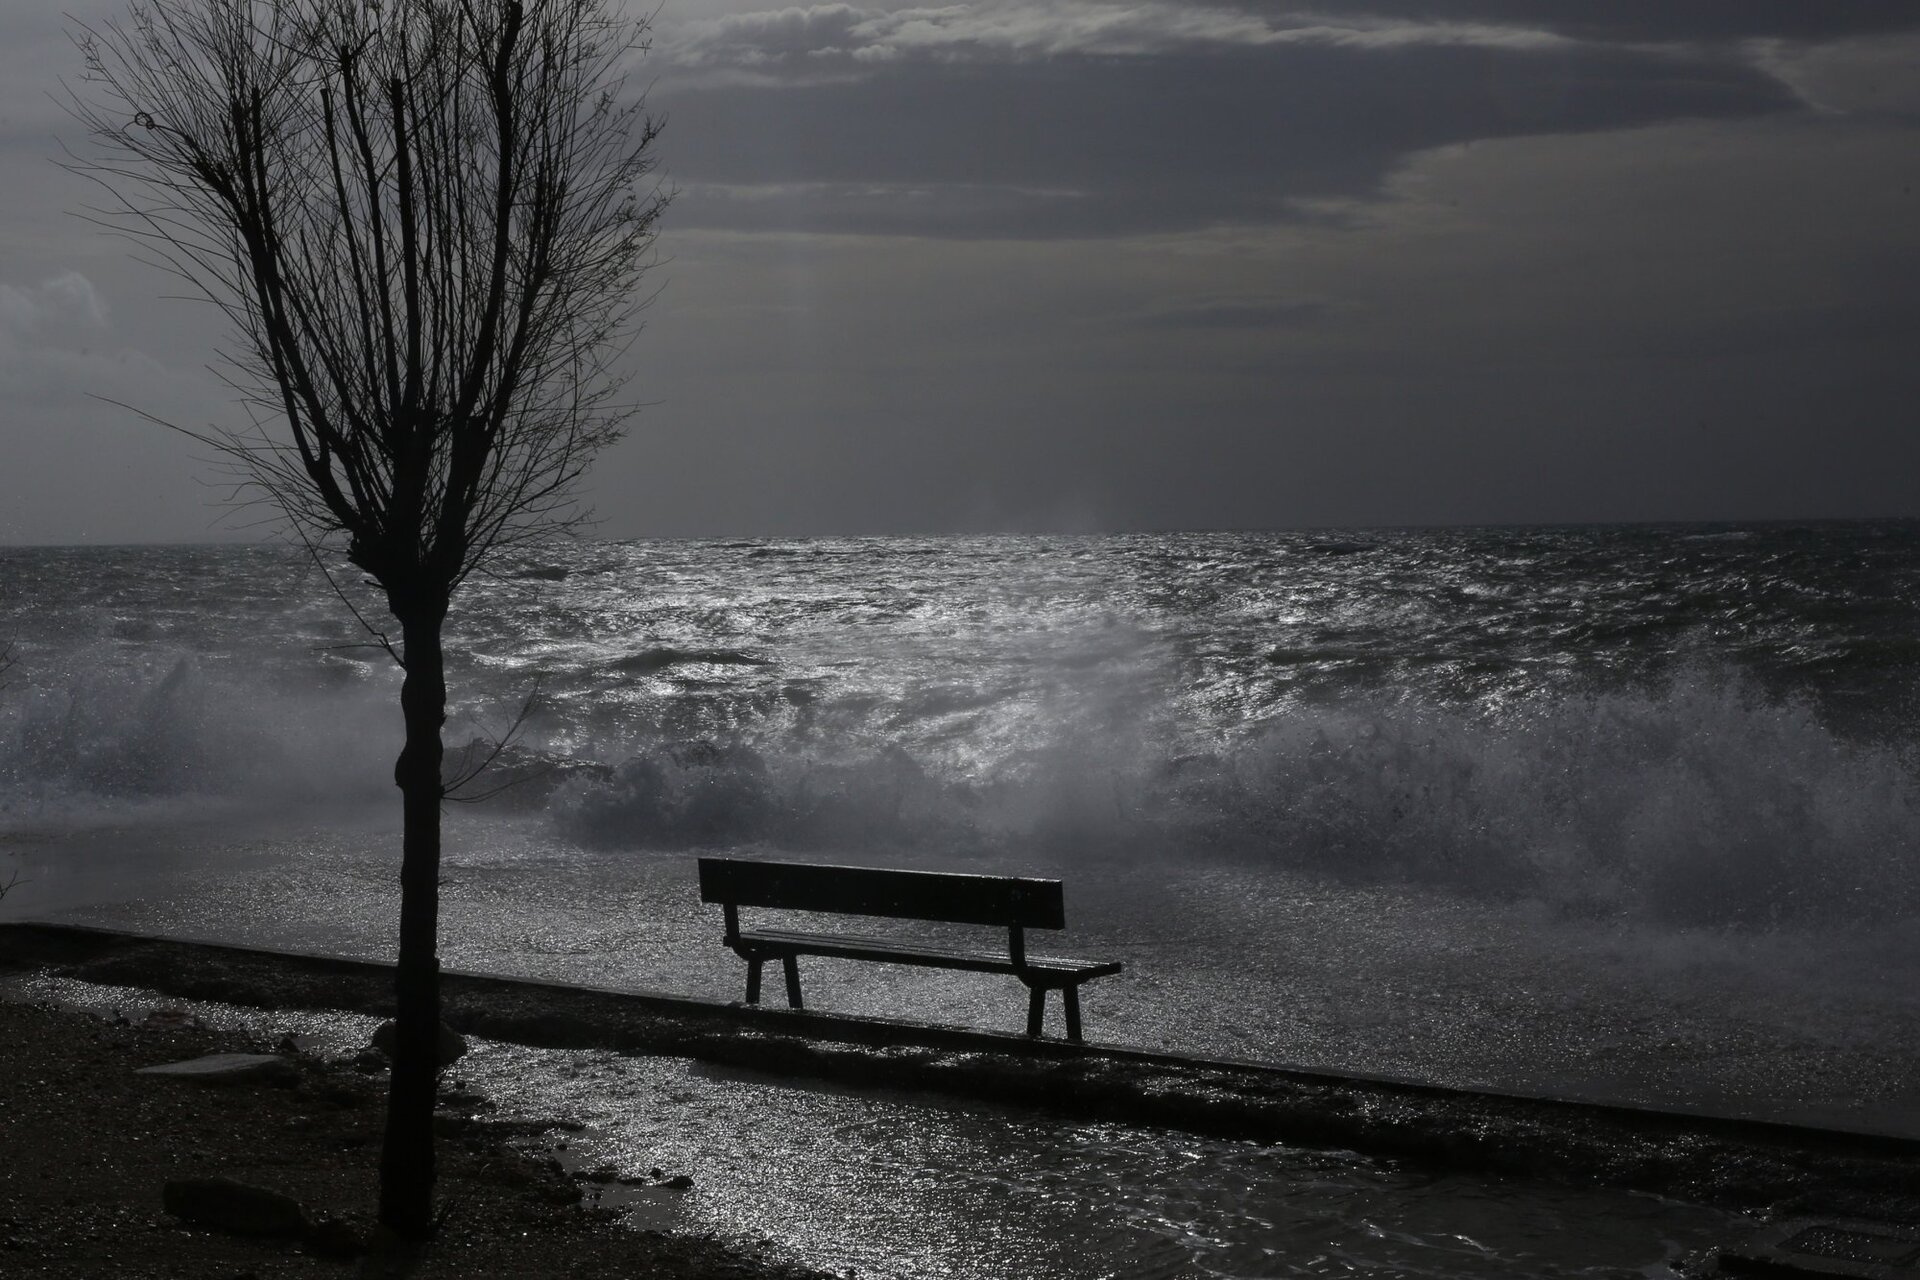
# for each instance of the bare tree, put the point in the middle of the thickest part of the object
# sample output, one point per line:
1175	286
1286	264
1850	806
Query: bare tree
426	221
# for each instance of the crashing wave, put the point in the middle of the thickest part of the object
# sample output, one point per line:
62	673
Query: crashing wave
1698	802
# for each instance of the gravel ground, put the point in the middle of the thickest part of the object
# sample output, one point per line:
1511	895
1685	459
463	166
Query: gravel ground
86	1147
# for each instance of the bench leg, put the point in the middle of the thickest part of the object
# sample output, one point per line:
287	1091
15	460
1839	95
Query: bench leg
793	981
1036	1009
753	981
1070	996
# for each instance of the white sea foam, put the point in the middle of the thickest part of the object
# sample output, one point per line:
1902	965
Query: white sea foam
1701	800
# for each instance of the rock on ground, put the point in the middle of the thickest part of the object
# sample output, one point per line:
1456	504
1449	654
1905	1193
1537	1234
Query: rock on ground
89	1147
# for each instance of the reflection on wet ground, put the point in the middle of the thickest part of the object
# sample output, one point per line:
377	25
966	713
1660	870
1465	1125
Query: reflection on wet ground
893	1185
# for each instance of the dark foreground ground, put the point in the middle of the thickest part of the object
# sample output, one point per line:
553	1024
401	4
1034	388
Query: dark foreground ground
86	1146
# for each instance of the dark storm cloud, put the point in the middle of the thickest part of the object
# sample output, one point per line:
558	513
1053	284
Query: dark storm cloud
1085	143
1654	21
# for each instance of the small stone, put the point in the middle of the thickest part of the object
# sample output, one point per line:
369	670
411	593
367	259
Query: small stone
221	1068
221	1204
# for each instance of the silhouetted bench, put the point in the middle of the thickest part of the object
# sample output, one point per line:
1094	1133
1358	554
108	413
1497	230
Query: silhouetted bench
1013	903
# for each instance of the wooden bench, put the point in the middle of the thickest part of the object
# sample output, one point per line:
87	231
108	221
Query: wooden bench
1013	903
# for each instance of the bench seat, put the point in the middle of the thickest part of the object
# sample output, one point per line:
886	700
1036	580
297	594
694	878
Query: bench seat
1013	903
848	946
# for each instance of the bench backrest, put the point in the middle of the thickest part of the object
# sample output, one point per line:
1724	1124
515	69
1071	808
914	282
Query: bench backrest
951	897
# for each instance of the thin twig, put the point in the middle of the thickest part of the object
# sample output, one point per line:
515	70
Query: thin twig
469	772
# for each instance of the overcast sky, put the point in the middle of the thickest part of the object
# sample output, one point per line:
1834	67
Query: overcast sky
1075	266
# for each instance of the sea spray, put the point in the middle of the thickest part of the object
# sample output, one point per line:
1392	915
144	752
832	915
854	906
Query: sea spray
168	731
1701	800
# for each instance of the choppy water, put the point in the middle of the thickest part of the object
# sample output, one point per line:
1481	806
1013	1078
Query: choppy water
1702	724
1627	812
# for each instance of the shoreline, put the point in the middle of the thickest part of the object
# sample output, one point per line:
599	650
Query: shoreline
1745	1165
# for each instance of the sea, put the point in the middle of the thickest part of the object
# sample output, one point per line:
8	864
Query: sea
1621	812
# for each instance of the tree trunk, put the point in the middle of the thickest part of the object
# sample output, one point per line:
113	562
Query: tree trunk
406	1160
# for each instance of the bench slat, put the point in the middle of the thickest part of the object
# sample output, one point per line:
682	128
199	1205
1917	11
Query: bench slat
944	896
905	951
